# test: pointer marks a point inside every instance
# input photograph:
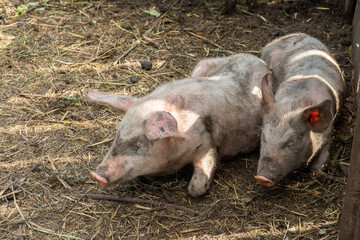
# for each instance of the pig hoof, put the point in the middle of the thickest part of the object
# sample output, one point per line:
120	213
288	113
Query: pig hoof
264	181
197	190
196	193
103	182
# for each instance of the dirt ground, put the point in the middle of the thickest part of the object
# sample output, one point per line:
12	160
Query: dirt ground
50	138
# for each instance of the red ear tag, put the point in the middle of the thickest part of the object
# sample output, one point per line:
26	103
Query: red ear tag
314	116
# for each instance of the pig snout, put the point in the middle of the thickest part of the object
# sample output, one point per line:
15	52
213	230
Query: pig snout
102	181
269	171
264	181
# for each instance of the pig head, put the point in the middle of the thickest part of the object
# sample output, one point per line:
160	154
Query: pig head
292	132
134	155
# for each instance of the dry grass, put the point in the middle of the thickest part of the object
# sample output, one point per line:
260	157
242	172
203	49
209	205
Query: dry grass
50	138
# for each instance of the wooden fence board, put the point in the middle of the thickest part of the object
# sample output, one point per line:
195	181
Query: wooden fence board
350	216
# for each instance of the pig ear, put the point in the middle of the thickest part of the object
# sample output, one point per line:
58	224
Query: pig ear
318	117
120	102
161	125
268	99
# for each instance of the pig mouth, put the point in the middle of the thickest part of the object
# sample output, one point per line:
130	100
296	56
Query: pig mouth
102	181
264	181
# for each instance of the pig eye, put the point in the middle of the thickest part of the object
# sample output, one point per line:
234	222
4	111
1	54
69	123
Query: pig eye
289	143
137	146
140	144
138	150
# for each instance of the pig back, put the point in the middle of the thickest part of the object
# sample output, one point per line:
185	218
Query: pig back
231	98
239	126
223	107
301	57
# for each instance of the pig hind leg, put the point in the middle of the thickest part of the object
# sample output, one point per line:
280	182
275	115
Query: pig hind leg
204	168
208	67
321	159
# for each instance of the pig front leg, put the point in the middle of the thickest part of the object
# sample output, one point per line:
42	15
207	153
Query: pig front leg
323	156
204	168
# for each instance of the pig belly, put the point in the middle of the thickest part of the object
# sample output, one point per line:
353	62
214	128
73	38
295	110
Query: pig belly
238	143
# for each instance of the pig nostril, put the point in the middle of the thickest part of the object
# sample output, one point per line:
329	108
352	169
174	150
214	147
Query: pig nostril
264	181
103	182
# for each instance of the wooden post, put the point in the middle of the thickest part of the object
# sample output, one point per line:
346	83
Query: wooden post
349	10
349	6
350	216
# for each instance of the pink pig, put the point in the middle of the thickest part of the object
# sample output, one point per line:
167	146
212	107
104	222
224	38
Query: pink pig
213	114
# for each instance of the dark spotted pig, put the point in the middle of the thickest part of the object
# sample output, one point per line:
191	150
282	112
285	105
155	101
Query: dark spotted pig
301	100
214	113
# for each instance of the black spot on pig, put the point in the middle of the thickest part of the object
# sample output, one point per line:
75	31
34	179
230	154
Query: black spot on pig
160	117
207	121
197	148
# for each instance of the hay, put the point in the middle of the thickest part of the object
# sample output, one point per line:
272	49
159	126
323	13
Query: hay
50	138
